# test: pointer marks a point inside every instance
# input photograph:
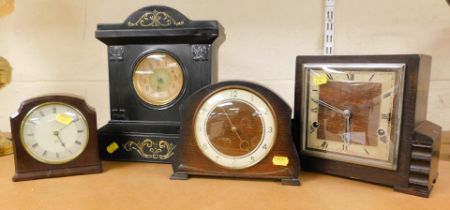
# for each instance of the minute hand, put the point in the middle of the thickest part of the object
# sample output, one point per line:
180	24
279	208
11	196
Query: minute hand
323	103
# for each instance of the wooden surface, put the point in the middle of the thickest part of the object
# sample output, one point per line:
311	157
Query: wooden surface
126	185
445	145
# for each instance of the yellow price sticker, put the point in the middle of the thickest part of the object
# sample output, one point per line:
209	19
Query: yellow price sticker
280	160
112	147
321	79
63	119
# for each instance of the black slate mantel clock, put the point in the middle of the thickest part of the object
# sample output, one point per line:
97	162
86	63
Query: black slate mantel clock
157	58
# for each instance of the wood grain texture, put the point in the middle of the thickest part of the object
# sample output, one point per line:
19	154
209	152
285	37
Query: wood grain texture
445	146
28	168
190	160
414	113
239	136
424	160
123	185
73	62
360	98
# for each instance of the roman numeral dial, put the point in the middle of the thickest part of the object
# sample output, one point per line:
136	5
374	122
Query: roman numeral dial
350	112
54	133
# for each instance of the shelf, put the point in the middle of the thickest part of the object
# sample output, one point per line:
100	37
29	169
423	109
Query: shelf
125	185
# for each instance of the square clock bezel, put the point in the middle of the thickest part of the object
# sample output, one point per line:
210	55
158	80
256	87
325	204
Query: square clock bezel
399	70
413	113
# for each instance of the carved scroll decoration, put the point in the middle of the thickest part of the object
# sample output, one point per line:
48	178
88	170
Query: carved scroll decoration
155	18
150	149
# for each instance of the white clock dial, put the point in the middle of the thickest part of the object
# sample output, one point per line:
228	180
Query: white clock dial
235	128
54	133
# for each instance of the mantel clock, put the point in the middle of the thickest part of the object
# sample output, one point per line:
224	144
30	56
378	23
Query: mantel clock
364	117
236	129
54	136
157	58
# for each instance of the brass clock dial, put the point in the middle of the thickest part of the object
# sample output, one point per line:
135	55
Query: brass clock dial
54	133
235	128
158	79
353	112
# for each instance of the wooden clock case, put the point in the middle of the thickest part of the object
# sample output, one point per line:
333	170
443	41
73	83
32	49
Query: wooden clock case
28	168
419	139
137	130
191	161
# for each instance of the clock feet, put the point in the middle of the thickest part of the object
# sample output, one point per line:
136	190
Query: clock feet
295	182
179	176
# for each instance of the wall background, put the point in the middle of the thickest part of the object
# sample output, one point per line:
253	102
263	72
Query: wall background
52	48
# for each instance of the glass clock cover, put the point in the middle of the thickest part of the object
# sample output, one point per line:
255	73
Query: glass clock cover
54	133
352	112
158	79
235	128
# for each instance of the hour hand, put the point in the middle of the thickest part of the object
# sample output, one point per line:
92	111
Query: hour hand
326	105
56	133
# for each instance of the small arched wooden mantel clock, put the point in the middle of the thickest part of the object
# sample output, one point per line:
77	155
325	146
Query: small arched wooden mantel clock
236	129
157	58
53	136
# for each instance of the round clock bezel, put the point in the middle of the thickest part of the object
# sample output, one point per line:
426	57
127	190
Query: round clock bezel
275	125
141	99
40	159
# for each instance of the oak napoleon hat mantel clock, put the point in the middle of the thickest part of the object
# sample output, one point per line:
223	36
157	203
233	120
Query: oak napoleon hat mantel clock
54	136
157	58
236	129
364	117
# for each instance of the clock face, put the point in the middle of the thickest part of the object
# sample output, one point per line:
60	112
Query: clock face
235	128
54	133
158	79
353	112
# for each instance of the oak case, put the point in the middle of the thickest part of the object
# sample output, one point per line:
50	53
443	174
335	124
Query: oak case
191	161
28	168
418	150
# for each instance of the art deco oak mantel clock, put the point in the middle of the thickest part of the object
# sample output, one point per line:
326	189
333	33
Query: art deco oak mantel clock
54	136
157	58
236	129
364	117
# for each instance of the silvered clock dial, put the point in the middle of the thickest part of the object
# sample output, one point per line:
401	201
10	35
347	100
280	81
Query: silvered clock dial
353	112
